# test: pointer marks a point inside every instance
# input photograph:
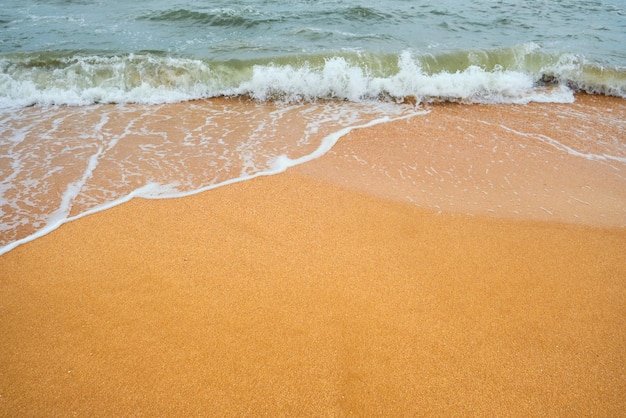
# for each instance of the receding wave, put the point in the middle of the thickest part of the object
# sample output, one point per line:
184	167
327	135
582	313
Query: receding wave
518	74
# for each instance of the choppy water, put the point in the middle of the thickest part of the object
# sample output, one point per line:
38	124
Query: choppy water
252	29
89	53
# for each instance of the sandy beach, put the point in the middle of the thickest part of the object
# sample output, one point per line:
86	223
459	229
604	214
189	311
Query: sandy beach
347	286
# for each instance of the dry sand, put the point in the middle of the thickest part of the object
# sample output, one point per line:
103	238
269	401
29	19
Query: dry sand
299	295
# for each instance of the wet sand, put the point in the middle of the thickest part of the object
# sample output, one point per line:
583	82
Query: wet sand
308	294
547	162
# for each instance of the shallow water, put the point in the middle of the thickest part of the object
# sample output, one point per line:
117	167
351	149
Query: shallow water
60	163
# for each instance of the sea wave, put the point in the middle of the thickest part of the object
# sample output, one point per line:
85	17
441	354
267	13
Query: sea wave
222	17
507	75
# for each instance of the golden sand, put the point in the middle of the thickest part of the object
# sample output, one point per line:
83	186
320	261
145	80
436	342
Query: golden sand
296	295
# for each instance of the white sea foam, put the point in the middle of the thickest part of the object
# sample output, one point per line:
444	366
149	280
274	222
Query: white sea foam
81	80
565	148
338	79
174	183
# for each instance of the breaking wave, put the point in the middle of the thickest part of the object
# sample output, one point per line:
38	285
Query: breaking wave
508	75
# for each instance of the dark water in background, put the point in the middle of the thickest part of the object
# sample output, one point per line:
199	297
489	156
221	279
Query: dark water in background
252	29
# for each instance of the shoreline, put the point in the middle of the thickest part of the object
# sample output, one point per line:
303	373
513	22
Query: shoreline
472	159
534	162
312	293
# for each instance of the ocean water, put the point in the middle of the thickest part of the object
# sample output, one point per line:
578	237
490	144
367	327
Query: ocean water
80	51
102	101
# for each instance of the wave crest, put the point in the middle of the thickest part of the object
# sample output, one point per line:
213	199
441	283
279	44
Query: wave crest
246	18
519	74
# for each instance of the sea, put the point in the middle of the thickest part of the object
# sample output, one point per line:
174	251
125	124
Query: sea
102	101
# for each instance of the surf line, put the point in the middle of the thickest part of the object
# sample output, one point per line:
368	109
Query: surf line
158	191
